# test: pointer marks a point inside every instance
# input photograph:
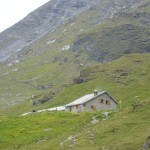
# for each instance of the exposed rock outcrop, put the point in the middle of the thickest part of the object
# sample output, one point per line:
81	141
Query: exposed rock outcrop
38	23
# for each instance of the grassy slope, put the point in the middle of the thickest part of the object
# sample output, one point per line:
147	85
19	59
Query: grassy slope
125	78
28	132
43	63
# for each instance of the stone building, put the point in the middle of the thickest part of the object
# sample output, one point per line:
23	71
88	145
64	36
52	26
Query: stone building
95	101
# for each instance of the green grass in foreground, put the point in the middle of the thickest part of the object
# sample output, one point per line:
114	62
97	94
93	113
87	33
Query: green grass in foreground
28	132
126	129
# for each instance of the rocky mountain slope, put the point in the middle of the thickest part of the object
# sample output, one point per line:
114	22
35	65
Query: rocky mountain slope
51	15
41	21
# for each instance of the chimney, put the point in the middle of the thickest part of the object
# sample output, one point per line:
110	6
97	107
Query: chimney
95	92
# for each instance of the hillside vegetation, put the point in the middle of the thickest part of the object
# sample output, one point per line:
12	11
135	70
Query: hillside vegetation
49	64
126	79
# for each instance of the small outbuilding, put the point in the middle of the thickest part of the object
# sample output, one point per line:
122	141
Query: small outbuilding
95	101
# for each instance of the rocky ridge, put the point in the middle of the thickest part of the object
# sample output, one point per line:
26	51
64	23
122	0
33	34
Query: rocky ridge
41	21
48	17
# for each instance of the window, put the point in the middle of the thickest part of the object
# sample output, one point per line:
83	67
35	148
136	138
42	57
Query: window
84	104
70	108
93	107
107	102
77	106
101	101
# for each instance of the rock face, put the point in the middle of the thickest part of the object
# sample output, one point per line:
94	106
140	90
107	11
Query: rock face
125	30
41	21
54	13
